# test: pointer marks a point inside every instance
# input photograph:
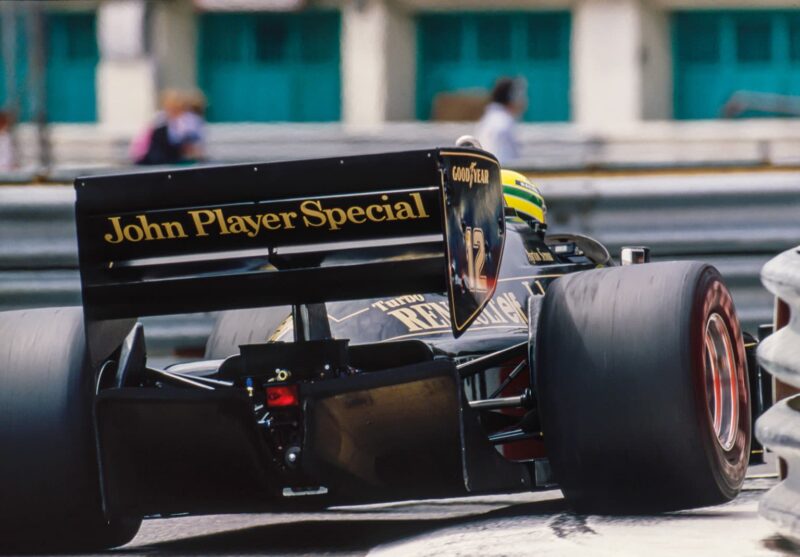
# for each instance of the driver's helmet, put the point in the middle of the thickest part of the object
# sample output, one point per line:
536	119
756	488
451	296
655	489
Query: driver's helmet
523	197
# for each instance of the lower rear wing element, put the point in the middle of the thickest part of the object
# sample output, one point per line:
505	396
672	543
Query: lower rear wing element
226	237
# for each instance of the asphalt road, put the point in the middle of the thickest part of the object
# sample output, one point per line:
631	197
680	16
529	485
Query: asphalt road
501	525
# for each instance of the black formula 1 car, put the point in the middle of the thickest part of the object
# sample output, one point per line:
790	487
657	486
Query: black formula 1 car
389	329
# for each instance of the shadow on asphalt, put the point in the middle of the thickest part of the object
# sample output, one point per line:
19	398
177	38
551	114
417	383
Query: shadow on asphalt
781	545
330	537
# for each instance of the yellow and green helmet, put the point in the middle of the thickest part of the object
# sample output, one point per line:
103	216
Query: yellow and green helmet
523	197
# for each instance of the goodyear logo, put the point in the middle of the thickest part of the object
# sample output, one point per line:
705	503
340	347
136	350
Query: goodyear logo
308	214
470	174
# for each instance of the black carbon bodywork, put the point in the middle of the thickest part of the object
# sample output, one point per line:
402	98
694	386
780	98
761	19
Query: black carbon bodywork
391	434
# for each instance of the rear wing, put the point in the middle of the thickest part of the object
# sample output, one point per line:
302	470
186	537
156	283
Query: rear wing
225	237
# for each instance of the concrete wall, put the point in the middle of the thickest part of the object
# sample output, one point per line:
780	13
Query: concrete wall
378	64
173	40
606	71
401	64
656	63
125	78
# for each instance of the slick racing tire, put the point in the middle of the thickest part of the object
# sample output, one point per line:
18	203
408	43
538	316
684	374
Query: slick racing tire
49	480
642	384
243	326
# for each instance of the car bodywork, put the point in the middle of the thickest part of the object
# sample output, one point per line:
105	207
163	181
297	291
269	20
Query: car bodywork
413	302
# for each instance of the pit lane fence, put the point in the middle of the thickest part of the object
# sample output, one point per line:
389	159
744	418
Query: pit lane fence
736	221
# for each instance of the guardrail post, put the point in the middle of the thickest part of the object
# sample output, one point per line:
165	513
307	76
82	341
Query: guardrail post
779	428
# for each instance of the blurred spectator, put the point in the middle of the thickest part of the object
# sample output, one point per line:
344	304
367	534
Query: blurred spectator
177	133
495	130
7	159
191	126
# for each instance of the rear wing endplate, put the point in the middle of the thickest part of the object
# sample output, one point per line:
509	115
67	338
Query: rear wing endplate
225	237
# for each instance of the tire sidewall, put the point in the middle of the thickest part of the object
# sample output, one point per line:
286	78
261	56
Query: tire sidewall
728	467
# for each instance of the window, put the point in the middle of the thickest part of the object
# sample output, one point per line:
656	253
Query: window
544	38
794	38
494	37
270	40
441	38
698	39
753	40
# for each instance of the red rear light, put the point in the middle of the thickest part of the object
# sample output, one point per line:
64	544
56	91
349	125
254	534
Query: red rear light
282	395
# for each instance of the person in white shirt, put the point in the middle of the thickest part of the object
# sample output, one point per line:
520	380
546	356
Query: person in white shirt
495	130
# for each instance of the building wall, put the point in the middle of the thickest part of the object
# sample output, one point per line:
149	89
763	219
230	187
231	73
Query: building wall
607	77
656	62
621	56
125	78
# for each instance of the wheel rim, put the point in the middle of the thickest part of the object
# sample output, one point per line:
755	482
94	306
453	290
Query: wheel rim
722	390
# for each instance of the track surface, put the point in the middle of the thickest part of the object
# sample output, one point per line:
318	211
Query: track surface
507	525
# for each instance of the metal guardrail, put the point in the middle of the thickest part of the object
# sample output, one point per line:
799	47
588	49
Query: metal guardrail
716	218
779	428
735	221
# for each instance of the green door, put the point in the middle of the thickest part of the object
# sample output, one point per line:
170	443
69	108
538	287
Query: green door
70	69
270	67
71	58
719	53
20	69
463	51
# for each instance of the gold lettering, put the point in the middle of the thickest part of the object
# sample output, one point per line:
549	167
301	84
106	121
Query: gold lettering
199	223
356	211
336	218
508	309
129	230
409	318
491	312
149	229
271	221
420	207
482	319
404	211
470	175
118	236
174	229
287	219
369	210
312	209
428	316
253	223
235	225
387	208
517	306
221	220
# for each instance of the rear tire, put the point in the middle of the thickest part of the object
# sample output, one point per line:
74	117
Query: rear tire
637	414
49	479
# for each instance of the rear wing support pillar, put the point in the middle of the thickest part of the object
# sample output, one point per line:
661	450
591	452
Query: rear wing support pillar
310	322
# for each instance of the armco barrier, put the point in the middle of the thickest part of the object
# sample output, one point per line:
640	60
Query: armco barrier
734	221
779	428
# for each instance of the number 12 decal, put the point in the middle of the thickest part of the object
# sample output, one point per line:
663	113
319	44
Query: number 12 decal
476	259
